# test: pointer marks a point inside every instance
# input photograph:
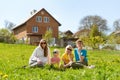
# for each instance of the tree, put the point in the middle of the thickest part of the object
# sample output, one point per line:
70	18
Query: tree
9	25
48	36
61	34
94	31
116	25
88	21
6	36
94	39
118	40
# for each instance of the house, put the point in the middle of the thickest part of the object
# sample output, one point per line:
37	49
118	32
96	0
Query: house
117	33
67	39
34	28
68	33
116	36
82	33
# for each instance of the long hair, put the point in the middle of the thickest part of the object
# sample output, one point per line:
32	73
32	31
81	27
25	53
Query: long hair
46	47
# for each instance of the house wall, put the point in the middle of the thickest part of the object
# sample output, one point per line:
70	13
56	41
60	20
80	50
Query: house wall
20	32
42	27
25	30
34	40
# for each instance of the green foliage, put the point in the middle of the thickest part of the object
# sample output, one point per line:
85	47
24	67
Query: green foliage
48	36
94	31
93	42
14	56
113	39
118	40
6	36
95	39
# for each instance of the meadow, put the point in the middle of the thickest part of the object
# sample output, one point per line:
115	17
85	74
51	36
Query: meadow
14	56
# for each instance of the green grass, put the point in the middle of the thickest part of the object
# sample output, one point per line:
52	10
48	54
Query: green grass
13	57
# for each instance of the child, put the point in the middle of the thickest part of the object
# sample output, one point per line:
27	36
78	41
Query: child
55	60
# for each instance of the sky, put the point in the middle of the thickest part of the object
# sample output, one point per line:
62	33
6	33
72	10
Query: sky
68	12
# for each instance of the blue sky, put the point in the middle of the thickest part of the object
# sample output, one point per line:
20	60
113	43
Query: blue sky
67	12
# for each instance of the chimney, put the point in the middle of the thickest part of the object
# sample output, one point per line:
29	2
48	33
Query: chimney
33	12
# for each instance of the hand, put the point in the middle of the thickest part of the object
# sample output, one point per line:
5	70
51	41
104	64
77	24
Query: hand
70	62
39	62
53	62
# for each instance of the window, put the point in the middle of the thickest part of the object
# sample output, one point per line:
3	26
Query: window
49	28
46	19
39	19
35	29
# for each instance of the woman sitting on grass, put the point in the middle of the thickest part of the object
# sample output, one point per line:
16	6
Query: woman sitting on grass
55	60
67	57
41	55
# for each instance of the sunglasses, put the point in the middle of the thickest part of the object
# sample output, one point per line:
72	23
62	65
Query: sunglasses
54	52
43	42
69	49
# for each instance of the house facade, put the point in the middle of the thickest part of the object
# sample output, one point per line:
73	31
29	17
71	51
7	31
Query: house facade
82	33
33	29
67	39
117	33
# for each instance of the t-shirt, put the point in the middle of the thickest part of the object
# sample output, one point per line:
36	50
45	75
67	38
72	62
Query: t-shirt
55	59
66	57
77	54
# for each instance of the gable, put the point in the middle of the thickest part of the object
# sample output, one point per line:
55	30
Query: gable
42	11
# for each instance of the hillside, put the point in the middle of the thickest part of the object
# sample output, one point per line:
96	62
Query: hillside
14	56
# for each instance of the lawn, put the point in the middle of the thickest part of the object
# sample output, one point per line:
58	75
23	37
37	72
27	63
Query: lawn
14	56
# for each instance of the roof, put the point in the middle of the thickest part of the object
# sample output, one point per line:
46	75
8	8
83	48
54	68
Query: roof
33	16
81	31
117	32
68	32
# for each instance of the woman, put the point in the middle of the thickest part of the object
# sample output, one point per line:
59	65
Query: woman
80	53
41	55
67	57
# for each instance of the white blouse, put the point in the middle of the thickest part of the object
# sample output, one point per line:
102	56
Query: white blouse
38	55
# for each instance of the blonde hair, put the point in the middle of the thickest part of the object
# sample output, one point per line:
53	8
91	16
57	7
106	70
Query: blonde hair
68	46
56	50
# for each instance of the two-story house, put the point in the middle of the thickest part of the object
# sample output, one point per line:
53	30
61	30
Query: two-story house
34	28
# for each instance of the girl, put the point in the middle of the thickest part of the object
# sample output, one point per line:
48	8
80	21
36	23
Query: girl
55	60
67	57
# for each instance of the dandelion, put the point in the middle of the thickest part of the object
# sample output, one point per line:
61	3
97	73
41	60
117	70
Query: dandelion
1	73
5	76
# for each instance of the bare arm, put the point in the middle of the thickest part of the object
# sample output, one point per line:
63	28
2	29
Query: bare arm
70	62
82	58
49	56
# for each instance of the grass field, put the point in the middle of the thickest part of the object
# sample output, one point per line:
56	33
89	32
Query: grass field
13	57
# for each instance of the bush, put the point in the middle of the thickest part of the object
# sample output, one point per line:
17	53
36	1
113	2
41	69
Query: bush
7	36
109	47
